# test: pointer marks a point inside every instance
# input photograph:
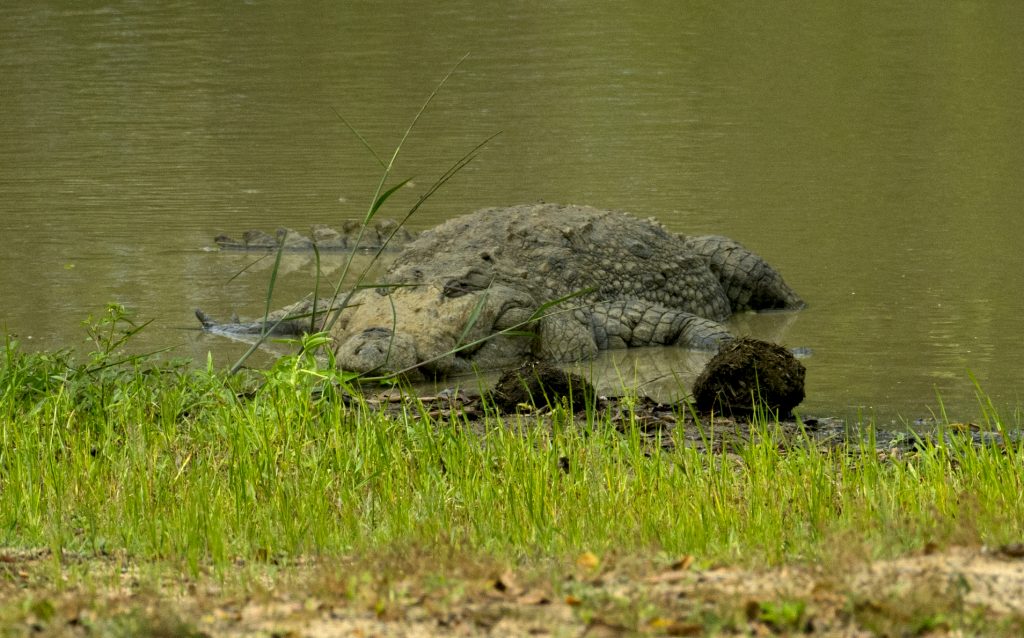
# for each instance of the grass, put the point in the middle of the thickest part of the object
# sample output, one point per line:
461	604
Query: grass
197	466
201	471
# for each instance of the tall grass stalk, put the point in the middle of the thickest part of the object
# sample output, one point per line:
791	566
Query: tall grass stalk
339	300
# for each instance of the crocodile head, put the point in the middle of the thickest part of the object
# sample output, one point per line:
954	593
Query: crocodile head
440	327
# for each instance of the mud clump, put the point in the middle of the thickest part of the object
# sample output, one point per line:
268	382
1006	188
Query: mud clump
541	385
748	371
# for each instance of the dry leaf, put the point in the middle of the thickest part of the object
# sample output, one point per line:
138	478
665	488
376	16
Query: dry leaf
588	560
683	563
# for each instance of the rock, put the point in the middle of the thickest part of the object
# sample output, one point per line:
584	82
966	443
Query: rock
747	369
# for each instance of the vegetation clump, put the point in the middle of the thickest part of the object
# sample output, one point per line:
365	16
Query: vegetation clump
747	373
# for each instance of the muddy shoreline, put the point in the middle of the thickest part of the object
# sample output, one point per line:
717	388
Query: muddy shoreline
669	425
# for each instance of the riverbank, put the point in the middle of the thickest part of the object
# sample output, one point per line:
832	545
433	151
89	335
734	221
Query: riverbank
147	498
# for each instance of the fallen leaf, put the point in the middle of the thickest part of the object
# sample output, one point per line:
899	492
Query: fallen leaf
588	560
683	563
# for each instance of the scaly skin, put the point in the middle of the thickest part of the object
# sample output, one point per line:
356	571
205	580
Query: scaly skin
631	282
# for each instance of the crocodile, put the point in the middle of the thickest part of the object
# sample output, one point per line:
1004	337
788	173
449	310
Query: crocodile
350	235
549	282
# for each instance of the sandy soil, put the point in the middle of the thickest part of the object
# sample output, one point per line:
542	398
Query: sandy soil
957	591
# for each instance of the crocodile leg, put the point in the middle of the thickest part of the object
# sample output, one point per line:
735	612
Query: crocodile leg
634	323
749	281
623	324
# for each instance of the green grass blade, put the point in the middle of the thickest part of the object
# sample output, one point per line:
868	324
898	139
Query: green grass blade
377	200
366	144
316	288
246	267
544	307
380	196
273	280
384	196
474	316
408	131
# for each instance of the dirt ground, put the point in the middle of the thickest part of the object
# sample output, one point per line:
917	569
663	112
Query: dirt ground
957	591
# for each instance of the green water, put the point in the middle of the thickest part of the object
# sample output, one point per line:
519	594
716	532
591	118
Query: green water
871	152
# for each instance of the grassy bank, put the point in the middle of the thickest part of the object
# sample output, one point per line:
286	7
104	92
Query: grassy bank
162	461
201	472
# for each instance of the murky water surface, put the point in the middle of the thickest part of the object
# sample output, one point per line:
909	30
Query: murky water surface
872	152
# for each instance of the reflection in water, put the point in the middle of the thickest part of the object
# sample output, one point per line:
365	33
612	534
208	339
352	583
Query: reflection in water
870	151
664	374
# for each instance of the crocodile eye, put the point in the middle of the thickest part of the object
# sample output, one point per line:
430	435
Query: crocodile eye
472	281
459	287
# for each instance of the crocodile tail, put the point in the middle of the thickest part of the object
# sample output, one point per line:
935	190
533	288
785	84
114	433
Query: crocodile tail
749	281
205	319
